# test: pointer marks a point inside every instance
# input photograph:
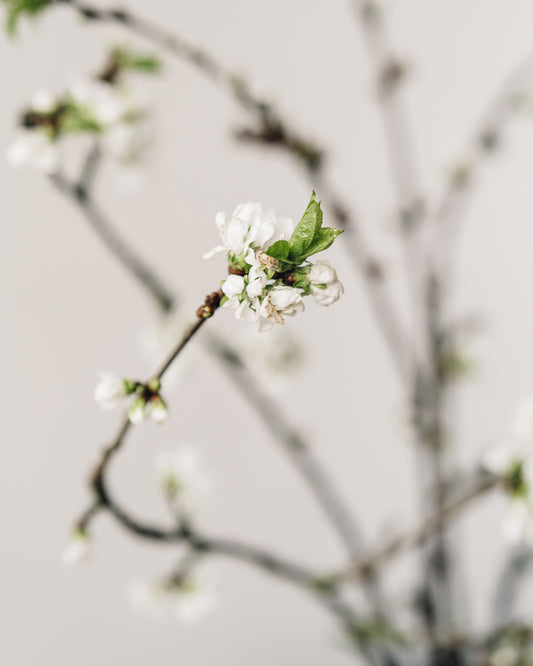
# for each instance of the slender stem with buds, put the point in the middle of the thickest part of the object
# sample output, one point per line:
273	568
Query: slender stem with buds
299	452
185	533
273	130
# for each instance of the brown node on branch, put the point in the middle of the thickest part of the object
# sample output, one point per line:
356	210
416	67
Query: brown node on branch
374	269
393	73
236	271
289	279
110	72
211	303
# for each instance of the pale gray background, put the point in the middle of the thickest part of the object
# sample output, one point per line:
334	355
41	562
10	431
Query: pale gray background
69	311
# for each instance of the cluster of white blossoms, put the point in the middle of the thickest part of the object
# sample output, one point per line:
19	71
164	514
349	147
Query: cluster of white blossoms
512	460
268	262
98	106
183	479
146	401
187	598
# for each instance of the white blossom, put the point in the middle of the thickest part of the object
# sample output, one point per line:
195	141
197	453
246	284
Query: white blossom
281	300
326	288
183	478
249	226
107	102
512	460
137	411
35	149
233	286
518	522
109	391
188	601
44	101
157	410
322	272
78	549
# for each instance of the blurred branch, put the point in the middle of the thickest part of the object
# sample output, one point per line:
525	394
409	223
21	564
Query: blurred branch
420	533
428	385
128	257
484	143
517	566
389	74
185	533
272	416
273	130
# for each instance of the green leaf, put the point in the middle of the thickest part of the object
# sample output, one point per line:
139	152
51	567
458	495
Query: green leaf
144	63
306	229
76	119
148	63
279	250
17	8
321	242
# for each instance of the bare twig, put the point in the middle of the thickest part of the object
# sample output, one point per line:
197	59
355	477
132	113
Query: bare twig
420	533
453	206
135	265
293	443
273	130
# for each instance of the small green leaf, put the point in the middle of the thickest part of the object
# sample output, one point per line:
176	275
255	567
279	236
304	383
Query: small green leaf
141	62
279	250
306	229
322	241
76	119
17	8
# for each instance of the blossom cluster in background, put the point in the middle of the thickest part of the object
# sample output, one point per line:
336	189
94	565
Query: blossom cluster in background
512	460
100	106
268	262
146	399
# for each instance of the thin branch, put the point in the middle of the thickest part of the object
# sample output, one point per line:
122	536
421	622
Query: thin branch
483	144
115	243
419	534
273	130
511	579
293	443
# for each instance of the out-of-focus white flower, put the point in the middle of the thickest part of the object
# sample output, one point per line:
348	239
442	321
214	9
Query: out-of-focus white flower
126	142
195	601
44	101
149	598
107	103
109	391
157	410
518	522
78	549
183	478
35	149
187	600
325	285
506	655
137	411
512	460
148	403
